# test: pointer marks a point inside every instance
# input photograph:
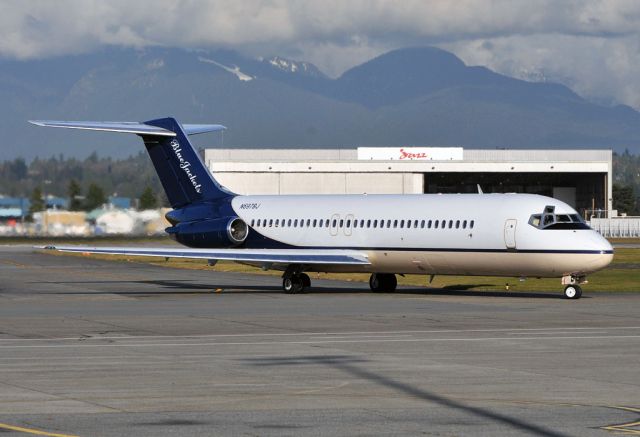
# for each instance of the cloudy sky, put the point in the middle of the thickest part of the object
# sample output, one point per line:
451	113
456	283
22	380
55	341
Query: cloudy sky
592	46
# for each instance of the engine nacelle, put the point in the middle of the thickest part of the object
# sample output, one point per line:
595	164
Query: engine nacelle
211	233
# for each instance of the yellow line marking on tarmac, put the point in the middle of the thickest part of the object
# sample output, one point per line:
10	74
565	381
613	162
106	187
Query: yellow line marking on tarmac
13	263
624	428
33	431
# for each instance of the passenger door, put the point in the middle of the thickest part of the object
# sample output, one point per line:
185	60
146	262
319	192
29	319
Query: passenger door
510	233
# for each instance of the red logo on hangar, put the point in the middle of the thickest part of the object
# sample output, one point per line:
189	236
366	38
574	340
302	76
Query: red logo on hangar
412	155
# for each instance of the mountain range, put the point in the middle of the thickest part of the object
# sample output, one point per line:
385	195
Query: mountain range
413	96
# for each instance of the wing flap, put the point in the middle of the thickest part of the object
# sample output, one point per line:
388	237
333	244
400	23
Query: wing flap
274	256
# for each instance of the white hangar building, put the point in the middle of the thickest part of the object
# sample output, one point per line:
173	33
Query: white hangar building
582	178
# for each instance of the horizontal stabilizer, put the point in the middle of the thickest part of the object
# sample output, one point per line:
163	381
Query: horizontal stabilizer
128	127
268	256
194	129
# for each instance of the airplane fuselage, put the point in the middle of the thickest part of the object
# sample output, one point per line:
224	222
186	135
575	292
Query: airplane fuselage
464	234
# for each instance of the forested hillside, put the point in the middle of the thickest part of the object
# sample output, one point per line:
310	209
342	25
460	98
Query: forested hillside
119	177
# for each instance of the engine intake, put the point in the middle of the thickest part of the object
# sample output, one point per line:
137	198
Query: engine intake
211	233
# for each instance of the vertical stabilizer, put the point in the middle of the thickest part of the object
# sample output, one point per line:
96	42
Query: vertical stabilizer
184	176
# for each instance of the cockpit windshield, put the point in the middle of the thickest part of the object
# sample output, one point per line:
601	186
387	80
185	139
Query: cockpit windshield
550	220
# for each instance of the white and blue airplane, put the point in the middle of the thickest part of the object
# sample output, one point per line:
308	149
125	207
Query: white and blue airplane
510	235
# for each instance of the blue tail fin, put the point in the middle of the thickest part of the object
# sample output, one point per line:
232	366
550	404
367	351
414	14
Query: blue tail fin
184	176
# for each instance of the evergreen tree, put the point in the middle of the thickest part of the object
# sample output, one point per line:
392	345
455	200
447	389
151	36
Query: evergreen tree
95	197
75	196
624	199
37	201
147	199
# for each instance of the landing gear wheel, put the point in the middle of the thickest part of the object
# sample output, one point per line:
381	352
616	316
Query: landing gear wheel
572	292
383	282
293	284
306	281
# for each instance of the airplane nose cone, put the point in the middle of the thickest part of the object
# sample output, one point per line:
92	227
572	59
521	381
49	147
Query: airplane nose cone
605	255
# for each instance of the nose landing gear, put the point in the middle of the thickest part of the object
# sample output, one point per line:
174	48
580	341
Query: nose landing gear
573	289
572	292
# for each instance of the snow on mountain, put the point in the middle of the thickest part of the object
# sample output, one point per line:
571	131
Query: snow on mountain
294	66
235	70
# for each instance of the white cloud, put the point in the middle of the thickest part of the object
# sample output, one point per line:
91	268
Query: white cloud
592	44
604	69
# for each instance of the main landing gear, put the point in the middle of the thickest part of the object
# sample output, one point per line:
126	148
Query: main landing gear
383	282
294	281
573	289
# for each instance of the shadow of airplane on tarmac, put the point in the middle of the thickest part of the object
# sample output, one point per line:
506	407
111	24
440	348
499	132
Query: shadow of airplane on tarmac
327	286
354	366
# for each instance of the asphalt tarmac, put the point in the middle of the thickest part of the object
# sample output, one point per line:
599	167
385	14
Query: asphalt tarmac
100	348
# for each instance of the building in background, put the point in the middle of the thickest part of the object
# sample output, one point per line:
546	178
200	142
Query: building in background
581	178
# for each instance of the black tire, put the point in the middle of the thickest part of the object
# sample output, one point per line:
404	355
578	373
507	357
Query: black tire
292	285
579	295
391	282
383	282
374	283
306	280
572	292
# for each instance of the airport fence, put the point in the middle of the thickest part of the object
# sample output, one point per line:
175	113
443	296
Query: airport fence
617	227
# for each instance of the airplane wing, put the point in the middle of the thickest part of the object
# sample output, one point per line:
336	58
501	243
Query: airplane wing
266	256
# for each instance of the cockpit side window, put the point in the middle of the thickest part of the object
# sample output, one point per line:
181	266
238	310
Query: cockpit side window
550	220
534	220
